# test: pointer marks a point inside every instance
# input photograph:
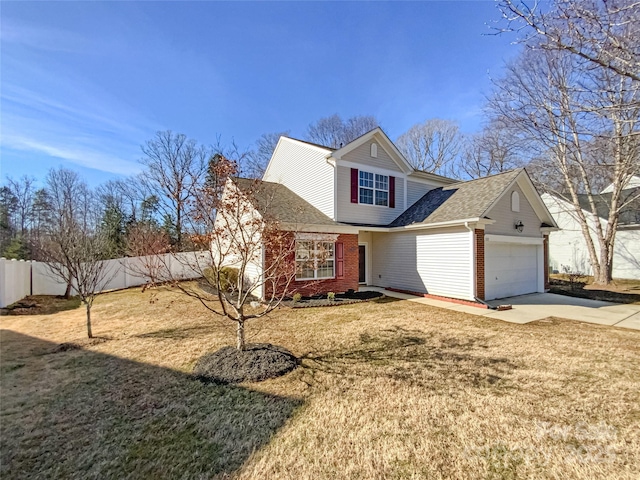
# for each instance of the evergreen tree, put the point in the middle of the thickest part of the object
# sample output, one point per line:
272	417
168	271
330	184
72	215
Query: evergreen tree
113	229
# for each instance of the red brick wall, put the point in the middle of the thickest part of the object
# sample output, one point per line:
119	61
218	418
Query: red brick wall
545	244
337	285
479	264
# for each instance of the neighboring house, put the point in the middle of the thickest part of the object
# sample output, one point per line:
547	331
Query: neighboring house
568	248
375	220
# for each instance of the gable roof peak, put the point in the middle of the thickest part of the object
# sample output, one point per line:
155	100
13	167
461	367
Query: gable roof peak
385	142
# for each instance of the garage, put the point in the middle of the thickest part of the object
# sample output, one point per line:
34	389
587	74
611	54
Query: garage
512	268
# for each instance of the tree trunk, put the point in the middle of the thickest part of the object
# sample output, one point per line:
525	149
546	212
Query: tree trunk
89	333
240	335
603	275
67	292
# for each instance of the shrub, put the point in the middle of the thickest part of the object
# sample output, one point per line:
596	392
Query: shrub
331	296
297	297
228	277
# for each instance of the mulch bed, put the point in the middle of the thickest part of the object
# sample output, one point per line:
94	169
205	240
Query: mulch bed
340	299
41	305
564	287
256	363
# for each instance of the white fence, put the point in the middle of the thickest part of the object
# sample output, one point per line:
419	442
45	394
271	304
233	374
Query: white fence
19	278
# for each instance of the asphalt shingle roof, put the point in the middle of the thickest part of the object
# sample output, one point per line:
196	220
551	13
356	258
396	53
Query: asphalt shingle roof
424	207
454	202
281	204
630	213
458	201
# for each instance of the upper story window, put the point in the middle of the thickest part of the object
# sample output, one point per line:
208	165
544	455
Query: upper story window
373	189
314	259
515	202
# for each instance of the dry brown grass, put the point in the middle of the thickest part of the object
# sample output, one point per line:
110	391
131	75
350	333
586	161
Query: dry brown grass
387	389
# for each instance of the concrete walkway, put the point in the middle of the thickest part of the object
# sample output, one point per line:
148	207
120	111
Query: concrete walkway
536	306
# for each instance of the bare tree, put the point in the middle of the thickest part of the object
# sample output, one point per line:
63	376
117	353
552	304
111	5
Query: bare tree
16	212
494	150
23	190
88	270
433	146
333	132
603	33
563	110
41	216
8	205
70	210
175	165
236	234
73	245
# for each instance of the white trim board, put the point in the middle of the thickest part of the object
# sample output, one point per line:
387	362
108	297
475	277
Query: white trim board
513	239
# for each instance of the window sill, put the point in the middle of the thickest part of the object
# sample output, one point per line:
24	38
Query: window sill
371	205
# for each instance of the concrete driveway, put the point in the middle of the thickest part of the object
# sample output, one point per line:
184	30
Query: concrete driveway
536	306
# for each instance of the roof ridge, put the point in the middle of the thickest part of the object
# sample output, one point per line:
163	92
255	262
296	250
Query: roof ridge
466	182
309	143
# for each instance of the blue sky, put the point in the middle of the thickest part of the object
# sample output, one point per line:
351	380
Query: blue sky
84	84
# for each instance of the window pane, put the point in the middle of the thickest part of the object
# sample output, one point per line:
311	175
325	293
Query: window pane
382	182
382	198
327	249
326	270
305	271
366	196
366	179
303	250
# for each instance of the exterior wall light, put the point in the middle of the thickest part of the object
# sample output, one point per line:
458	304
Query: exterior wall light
519	226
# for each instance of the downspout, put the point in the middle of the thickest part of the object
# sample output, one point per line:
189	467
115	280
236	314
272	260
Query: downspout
473	244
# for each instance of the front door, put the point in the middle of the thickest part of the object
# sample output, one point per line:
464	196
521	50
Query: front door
362	264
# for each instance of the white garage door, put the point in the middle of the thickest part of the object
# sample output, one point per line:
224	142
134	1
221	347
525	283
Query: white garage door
510	269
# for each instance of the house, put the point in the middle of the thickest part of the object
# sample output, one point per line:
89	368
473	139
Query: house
377	221
568	248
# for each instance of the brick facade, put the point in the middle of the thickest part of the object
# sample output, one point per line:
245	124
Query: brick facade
479	263
349	279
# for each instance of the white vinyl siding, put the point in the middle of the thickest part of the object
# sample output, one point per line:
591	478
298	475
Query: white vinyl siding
362	156
224	256
626	254
568	248
436	263
362	213
415	191
506	218
512	269
253	274
304	170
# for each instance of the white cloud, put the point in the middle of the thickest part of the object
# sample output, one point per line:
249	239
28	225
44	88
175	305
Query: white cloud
79	154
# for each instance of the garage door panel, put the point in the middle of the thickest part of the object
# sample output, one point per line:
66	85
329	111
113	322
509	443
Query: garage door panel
510	269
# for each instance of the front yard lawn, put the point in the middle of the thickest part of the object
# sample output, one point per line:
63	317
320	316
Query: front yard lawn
386	389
